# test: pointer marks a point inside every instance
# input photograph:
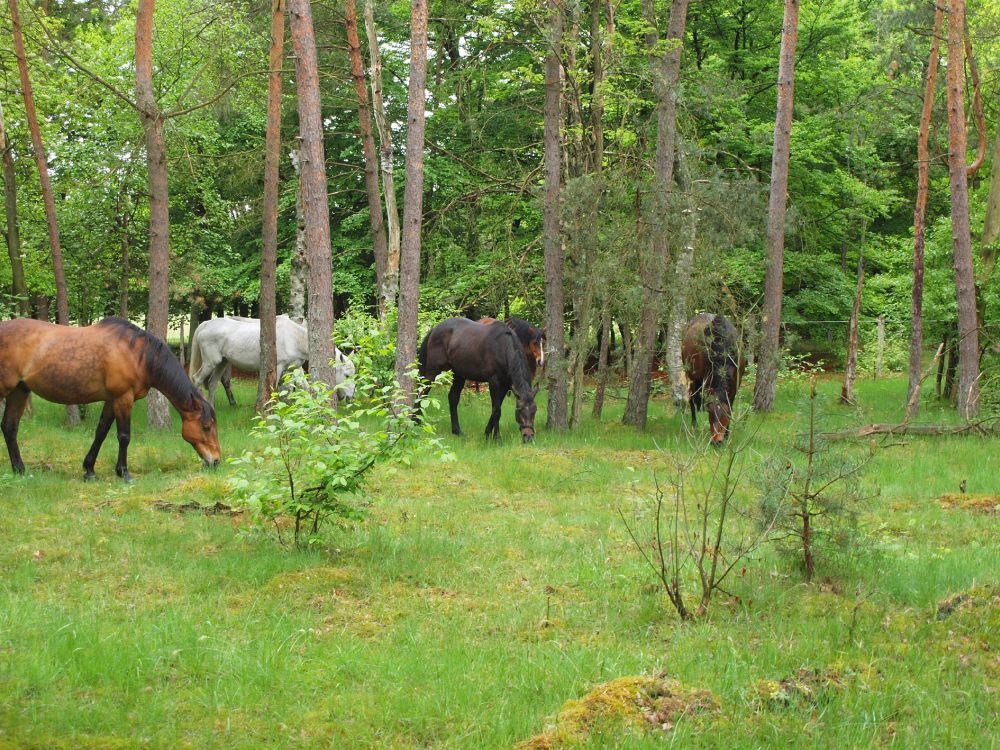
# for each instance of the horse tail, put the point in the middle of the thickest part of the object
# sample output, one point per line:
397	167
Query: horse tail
422	354
195	362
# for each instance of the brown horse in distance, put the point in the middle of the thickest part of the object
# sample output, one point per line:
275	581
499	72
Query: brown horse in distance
714	367
113	361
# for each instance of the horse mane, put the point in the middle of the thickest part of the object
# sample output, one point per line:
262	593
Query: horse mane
164	370
520	378
720	335
524	330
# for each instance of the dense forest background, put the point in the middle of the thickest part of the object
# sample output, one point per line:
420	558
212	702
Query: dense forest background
859	79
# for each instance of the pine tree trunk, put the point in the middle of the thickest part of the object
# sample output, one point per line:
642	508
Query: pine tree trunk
266	384
991	226
158	311
666	74
851	371
12	232
682	279
299	264
413	202
62	296
555	369
767	360
315	204
379	245
602	360
968	325
923	168
390	280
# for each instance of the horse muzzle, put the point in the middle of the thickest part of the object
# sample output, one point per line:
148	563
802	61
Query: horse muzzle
527	436
210	463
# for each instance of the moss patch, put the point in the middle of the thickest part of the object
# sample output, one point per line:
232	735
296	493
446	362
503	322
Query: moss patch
976	503
638	701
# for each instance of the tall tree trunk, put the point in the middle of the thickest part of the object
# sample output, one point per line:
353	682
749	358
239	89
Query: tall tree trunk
682	279
666	74
123	280
315	204
62	297
299	271
266	383
851	371
379	245
413	203
991	226
968	325
940	369
923	168
12	231
555	370
602	359
157	410
767	360
390	279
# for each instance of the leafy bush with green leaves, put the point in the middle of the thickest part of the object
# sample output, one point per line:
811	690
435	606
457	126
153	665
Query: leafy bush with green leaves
313	463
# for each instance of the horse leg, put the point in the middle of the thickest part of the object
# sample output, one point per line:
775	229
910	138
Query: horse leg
453	396
123	420
695	402
103	425
213	380
17	399
226	377
497	394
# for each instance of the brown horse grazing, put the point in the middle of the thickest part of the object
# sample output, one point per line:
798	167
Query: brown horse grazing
714	367
113	361
490	354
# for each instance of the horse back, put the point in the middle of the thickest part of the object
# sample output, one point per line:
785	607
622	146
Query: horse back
471	350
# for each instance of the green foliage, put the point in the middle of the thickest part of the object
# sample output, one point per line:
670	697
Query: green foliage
314	462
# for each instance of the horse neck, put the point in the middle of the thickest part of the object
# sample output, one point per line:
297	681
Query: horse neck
520	378
170	379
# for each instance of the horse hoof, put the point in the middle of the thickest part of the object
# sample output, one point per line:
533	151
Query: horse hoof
90	477
126	477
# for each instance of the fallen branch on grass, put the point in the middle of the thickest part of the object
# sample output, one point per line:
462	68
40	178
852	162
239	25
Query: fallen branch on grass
983	429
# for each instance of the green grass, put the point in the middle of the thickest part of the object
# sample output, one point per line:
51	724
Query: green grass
125	626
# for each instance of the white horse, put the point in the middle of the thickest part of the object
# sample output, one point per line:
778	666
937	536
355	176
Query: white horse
222	343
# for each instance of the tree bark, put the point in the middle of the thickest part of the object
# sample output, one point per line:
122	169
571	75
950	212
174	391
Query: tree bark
379	245
413	203
880	351
851	371
682	279
968	325
62	296
991	226
923	168
298	281
555	369
767	360
266	383
12	231
315	203
157	409
666	73
602	360
390	279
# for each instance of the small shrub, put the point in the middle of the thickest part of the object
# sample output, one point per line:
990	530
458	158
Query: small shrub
313	461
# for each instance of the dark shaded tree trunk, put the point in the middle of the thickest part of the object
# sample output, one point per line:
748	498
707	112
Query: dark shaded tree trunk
390	280
555	369
923	169
968	325
767	360
159	212
949	374
12	230
315	203
379	245
266	383
602	361
666	73
413	202
62	297
940	368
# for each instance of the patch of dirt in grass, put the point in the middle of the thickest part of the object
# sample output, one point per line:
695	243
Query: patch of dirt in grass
989	504
323	579
807	685
638	701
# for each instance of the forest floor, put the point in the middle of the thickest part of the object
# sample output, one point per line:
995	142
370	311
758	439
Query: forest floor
480	598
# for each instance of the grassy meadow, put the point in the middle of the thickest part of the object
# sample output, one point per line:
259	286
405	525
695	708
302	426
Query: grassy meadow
480	595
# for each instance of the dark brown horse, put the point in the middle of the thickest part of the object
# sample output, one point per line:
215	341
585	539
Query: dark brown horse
113	361
532	341
714	367
487	353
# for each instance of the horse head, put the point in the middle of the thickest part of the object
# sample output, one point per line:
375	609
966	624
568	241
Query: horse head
525	413
345	370
199	428
537	345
